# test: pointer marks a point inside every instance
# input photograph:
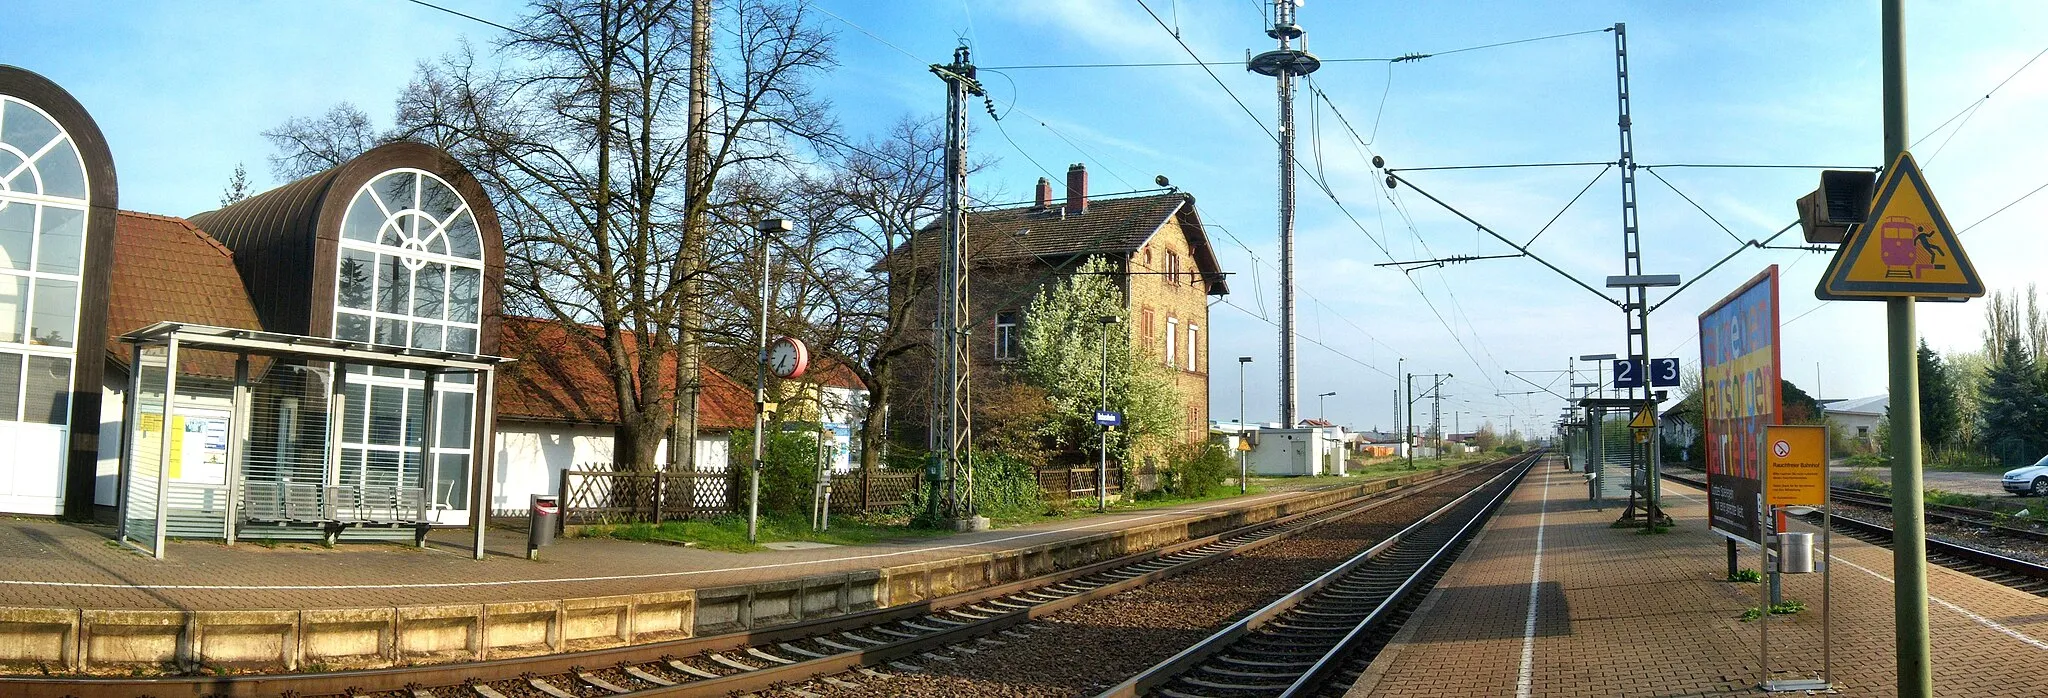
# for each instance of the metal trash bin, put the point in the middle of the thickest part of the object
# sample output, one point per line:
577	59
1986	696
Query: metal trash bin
542	518
1795	552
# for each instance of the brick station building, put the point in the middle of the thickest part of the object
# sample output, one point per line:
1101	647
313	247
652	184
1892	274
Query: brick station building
1168	272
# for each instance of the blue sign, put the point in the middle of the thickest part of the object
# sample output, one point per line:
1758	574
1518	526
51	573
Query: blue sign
1109	419
1628	373
1664	373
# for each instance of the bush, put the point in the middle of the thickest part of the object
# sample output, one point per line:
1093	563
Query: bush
1003	485
790	469
1197	470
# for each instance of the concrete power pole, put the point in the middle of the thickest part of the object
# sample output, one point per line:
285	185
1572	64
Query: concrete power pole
951	471
682	442
1284	65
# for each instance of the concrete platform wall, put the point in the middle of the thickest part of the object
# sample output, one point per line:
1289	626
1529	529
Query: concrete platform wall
103	641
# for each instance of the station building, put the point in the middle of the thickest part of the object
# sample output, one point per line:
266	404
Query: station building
330	357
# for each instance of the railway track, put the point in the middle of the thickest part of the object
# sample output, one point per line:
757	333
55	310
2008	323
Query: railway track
2013	572
1298	644
843	649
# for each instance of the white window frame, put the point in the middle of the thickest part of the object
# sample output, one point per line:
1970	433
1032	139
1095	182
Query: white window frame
26	348
1194	336
374	248
429	470
1008	346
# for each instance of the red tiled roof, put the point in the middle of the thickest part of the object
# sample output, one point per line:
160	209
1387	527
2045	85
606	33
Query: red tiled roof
1119	225
166	269
561	376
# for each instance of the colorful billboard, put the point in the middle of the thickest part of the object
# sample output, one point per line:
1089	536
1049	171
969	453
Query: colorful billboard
1739	386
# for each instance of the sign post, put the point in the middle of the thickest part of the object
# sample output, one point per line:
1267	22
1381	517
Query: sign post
1796	476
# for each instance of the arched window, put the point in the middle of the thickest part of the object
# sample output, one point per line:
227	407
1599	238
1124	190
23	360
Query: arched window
410	274
411	267
43	203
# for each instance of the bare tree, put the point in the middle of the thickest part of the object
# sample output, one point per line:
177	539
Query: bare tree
582	141
238	186
881	192
306	145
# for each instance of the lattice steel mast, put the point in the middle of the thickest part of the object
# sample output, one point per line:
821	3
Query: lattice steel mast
951	472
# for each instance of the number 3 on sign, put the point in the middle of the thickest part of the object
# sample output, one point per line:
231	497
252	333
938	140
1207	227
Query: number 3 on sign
1664	373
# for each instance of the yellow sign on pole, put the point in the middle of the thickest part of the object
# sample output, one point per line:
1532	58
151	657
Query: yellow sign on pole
1796	465
1905	246
1645	419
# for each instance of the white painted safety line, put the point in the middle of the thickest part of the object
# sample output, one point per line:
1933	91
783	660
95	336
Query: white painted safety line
625	577
1966	613
1525	679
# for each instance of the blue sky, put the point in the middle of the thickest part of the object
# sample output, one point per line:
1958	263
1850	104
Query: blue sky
183	89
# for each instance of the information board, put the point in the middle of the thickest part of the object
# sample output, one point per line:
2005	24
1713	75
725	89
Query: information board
1740	397
1796	465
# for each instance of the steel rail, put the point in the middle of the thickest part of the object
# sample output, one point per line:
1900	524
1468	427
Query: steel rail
463	674
1165	672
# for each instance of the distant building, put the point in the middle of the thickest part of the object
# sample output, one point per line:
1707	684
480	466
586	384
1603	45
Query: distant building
1156	243
1858	417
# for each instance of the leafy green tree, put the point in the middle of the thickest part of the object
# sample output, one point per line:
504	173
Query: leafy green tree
1800	408
1062	337
1941	416
2014	410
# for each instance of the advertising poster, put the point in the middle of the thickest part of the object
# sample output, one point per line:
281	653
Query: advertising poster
1739	385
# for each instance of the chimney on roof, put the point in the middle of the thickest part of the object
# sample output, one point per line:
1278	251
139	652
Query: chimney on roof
1077	189
1044	193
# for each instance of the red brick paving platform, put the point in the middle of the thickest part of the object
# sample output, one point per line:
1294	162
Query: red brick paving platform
1619	613
72	599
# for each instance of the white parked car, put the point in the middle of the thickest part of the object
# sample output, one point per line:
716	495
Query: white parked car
2032	479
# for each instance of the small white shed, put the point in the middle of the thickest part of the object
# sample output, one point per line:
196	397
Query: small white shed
1298	451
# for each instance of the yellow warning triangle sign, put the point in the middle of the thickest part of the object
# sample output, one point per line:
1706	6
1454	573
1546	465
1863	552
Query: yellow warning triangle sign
1905	247
1644	420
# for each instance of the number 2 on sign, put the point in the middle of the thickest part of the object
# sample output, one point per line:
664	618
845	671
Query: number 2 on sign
1628	374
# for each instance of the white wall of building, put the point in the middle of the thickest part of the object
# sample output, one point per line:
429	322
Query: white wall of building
1301	451
532	456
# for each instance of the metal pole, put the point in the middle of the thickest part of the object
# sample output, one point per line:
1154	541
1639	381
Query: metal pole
1827	558
1407	440
1283	14
1909	526
760	397
1102	468
1243	432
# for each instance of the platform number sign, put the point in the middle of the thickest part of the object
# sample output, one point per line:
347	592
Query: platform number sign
1630	373
1664	373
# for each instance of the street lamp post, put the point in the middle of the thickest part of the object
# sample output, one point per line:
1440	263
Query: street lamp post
1102	470
767	227
1321	412
1243	431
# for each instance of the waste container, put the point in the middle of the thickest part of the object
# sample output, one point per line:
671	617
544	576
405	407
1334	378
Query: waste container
542	517
1795	552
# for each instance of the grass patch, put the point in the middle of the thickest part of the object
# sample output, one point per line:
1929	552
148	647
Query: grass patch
1782	608
1747	576
730	533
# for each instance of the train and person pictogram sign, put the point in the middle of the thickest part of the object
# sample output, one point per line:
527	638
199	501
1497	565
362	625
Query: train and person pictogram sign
1905	247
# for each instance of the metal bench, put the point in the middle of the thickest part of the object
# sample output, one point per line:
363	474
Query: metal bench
333	509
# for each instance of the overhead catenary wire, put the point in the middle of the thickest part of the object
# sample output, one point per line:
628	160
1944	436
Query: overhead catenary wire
1327	192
